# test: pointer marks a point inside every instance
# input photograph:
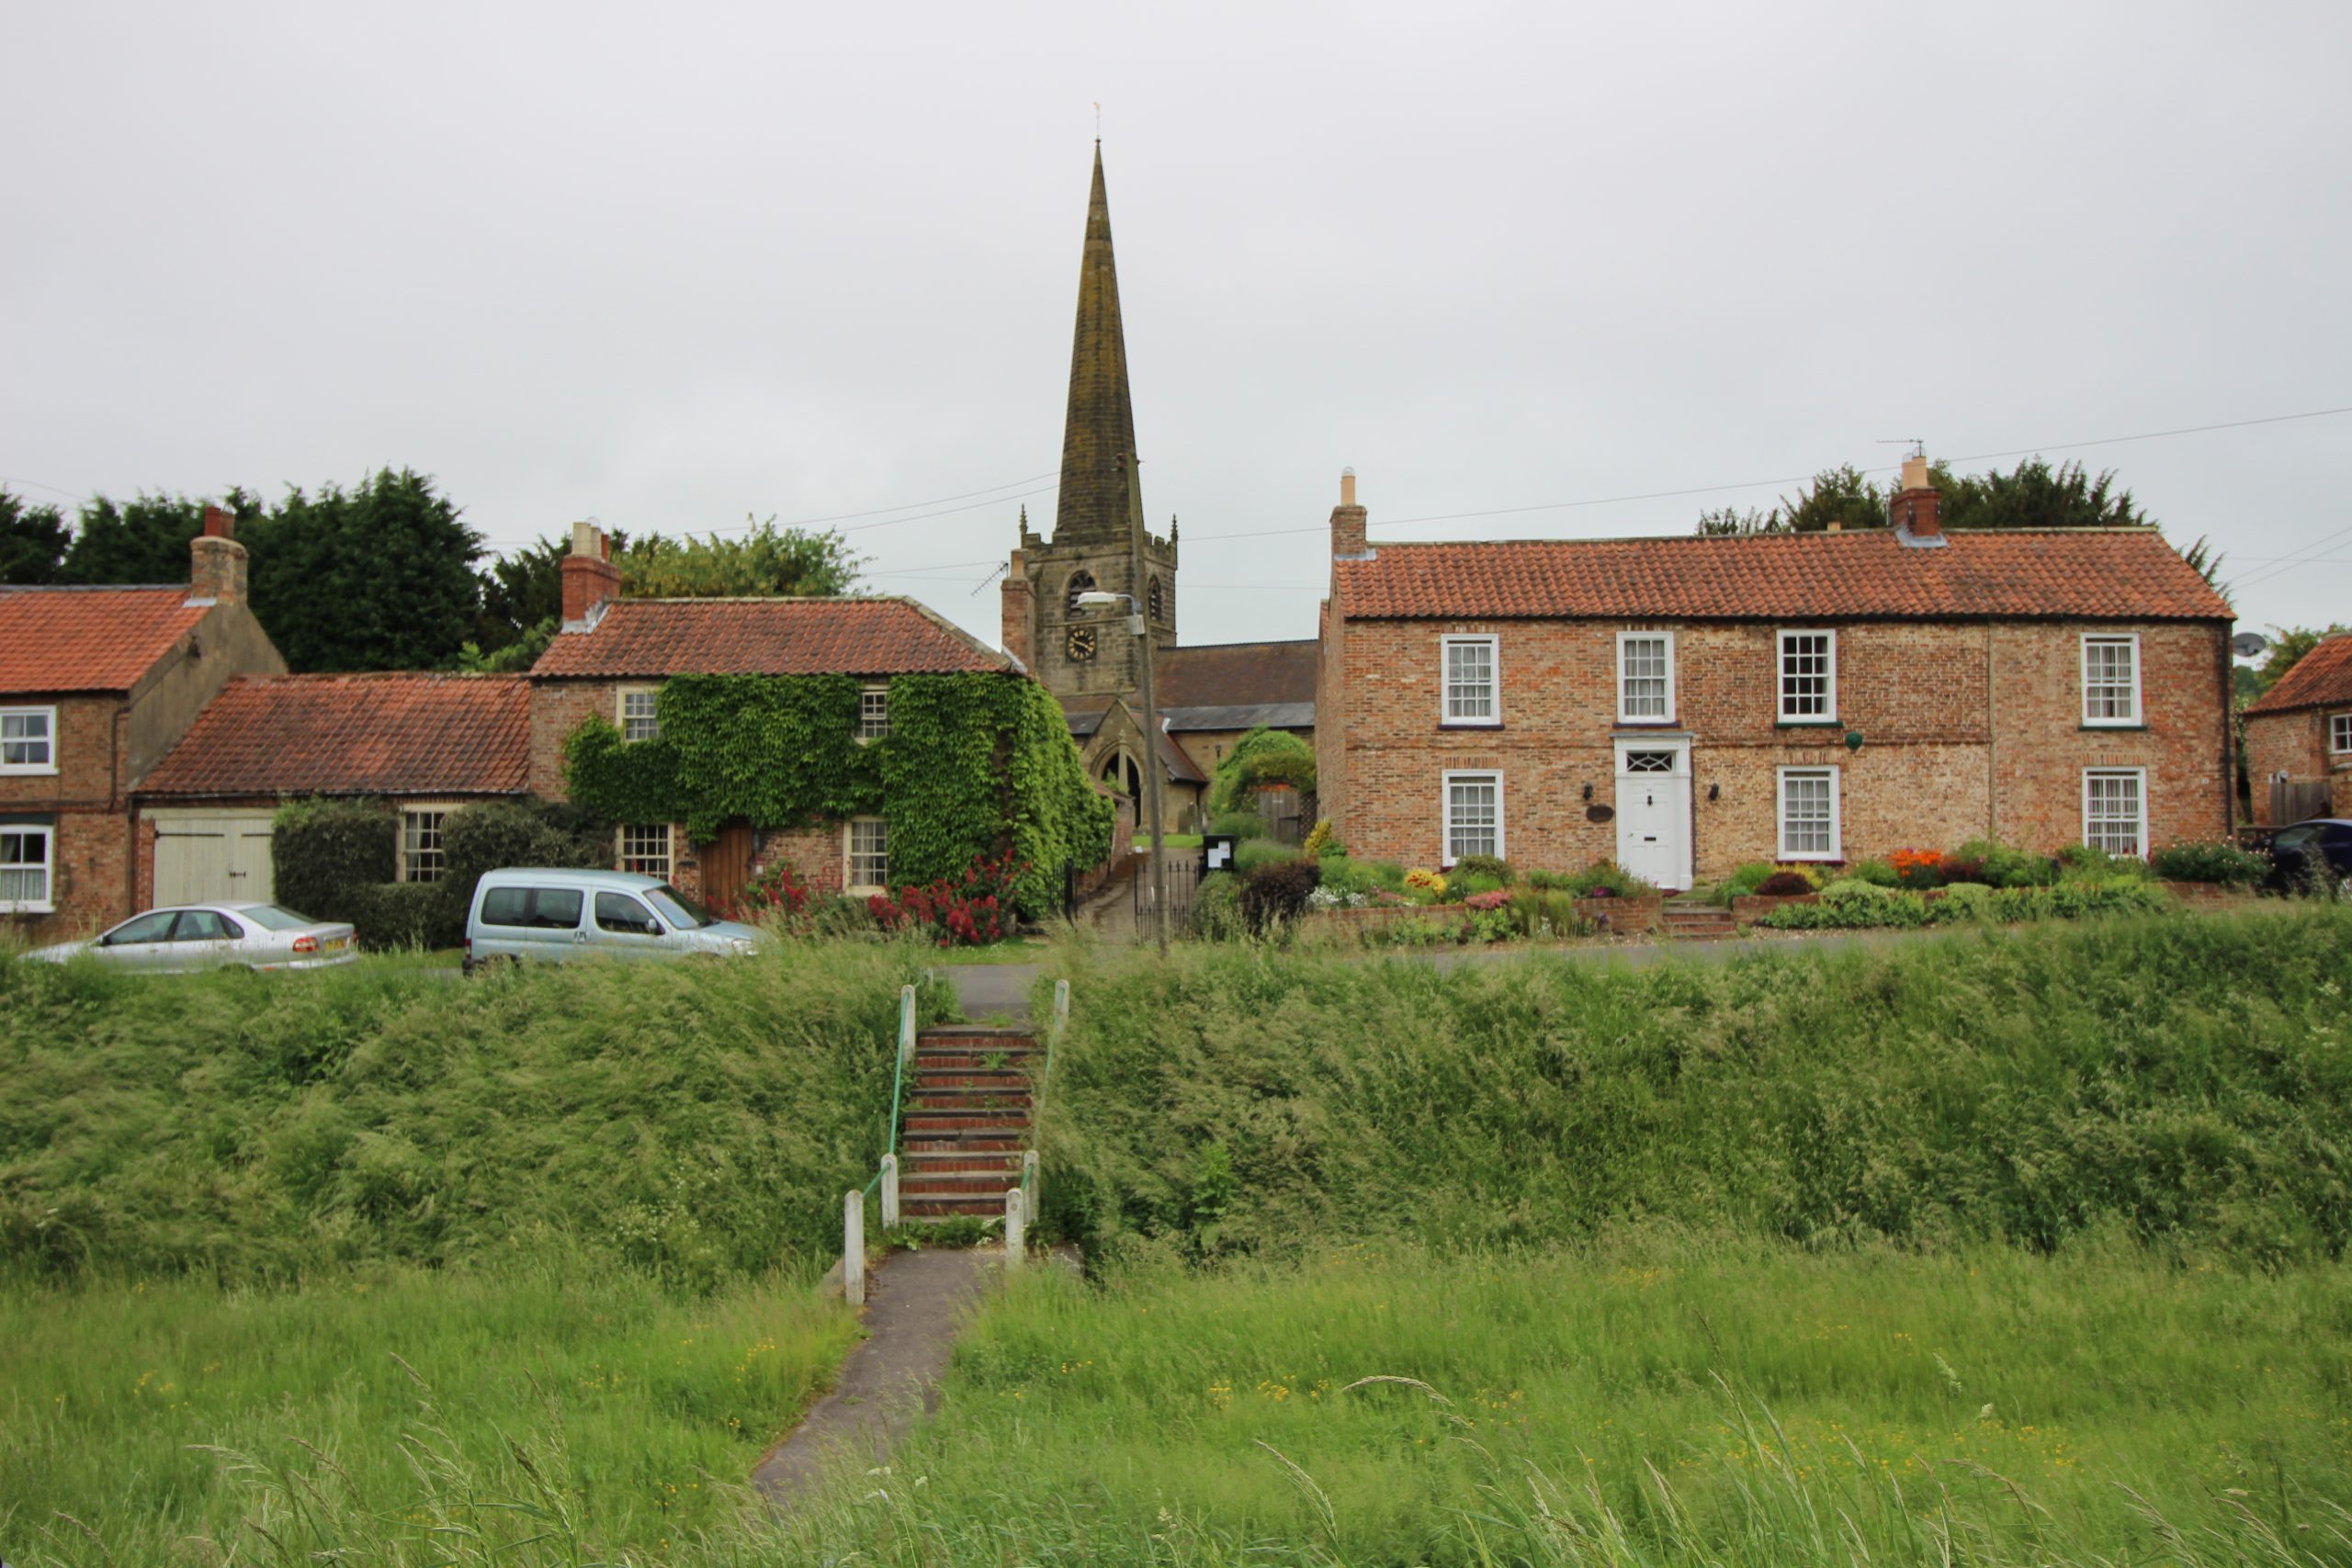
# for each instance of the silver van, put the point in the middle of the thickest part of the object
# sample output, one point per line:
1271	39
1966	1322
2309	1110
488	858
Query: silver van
527	913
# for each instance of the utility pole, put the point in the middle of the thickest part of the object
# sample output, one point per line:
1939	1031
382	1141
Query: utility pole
1139	623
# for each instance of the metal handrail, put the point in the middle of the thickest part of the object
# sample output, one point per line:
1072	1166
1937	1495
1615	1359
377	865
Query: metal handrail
886	1178
1031	1177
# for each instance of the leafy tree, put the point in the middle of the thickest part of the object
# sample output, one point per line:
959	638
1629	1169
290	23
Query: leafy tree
510	658
380	577
2286	651
767	561
32	541
2031	495
141	540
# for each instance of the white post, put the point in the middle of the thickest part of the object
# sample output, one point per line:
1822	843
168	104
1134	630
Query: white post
906	1023
1016	1229
1029	1176
854	1247
889	1191
1061	1006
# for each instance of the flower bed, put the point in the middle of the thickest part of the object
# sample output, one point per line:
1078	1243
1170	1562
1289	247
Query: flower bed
1619	916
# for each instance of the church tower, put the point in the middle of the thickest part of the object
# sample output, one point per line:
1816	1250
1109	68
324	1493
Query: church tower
1088	652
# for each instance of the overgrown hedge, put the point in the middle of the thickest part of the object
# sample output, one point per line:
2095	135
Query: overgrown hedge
335	859
974	766
2183	1081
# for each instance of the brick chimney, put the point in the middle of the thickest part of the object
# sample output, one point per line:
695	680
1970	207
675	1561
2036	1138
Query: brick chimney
1918	507
1018	606
216	561
589	575
1347	522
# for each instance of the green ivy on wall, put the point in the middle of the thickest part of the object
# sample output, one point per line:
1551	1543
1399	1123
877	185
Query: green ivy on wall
974	764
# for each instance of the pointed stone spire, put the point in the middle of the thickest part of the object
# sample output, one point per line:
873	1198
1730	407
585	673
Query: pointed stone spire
1101	429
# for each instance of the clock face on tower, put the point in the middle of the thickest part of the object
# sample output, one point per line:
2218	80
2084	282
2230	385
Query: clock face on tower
1080	643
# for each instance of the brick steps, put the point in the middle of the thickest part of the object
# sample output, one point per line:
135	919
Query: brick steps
967	1120
1692	921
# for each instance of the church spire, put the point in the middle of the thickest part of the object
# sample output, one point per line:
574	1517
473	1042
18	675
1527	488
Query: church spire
1099	433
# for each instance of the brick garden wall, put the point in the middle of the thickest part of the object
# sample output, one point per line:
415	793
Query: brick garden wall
1968	729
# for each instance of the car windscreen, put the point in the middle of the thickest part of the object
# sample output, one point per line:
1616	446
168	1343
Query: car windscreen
2293	838
677	908
269	917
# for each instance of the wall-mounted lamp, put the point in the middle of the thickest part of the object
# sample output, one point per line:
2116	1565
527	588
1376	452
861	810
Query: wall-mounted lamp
1588	791
1854	740
1715	792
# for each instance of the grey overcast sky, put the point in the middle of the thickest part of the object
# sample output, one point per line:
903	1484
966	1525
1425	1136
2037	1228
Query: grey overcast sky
666	266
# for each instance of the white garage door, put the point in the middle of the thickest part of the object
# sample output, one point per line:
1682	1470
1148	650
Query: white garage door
213	857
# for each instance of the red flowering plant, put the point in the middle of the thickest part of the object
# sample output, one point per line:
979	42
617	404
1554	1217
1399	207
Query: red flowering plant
1918	868
972	911
778	896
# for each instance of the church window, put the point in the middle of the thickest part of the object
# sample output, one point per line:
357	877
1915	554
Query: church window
1079	582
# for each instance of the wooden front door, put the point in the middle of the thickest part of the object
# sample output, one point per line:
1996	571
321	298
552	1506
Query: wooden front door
727	867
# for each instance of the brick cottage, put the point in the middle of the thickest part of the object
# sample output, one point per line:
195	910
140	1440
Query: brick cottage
611	654
96	686
2299	738
1684	704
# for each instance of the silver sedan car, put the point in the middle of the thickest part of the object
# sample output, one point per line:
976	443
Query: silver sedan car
214	936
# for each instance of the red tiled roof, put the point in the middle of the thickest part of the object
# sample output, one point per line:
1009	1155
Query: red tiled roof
2322	678
1233	673
399	734
766	637
2086	573
88	640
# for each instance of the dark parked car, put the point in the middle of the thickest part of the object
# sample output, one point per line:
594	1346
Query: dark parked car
2314	853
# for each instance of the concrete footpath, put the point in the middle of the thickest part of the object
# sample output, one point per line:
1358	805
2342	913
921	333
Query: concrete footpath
915	1301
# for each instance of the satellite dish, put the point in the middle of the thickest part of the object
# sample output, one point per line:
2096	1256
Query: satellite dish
2248	645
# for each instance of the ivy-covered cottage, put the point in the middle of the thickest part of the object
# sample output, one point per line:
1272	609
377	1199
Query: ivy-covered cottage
867	743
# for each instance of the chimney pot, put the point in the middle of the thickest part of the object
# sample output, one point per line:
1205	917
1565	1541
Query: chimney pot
1347	487
1918	507
590	577
216	566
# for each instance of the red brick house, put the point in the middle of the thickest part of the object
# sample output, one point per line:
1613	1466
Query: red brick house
426	744
2298	736
95	686
612	655
1683	705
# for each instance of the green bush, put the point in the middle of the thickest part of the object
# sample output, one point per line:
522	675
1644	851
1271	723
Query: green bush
1253	852
2084	860
2005	867
1744	881
1276	893
1606	879
1877	873
1345	876
392	915
1259	758
1542	913
1238	824
1217	907
2218	860
323	852
2176	1079
1493	868
1852	905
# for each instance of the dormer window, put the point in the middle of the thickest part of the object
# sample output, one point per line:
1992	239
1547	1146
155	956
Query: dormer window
1646	677
2111	681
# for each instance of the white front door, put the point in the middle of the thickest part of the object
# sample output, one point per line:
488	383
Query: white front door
1653	810
213	857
